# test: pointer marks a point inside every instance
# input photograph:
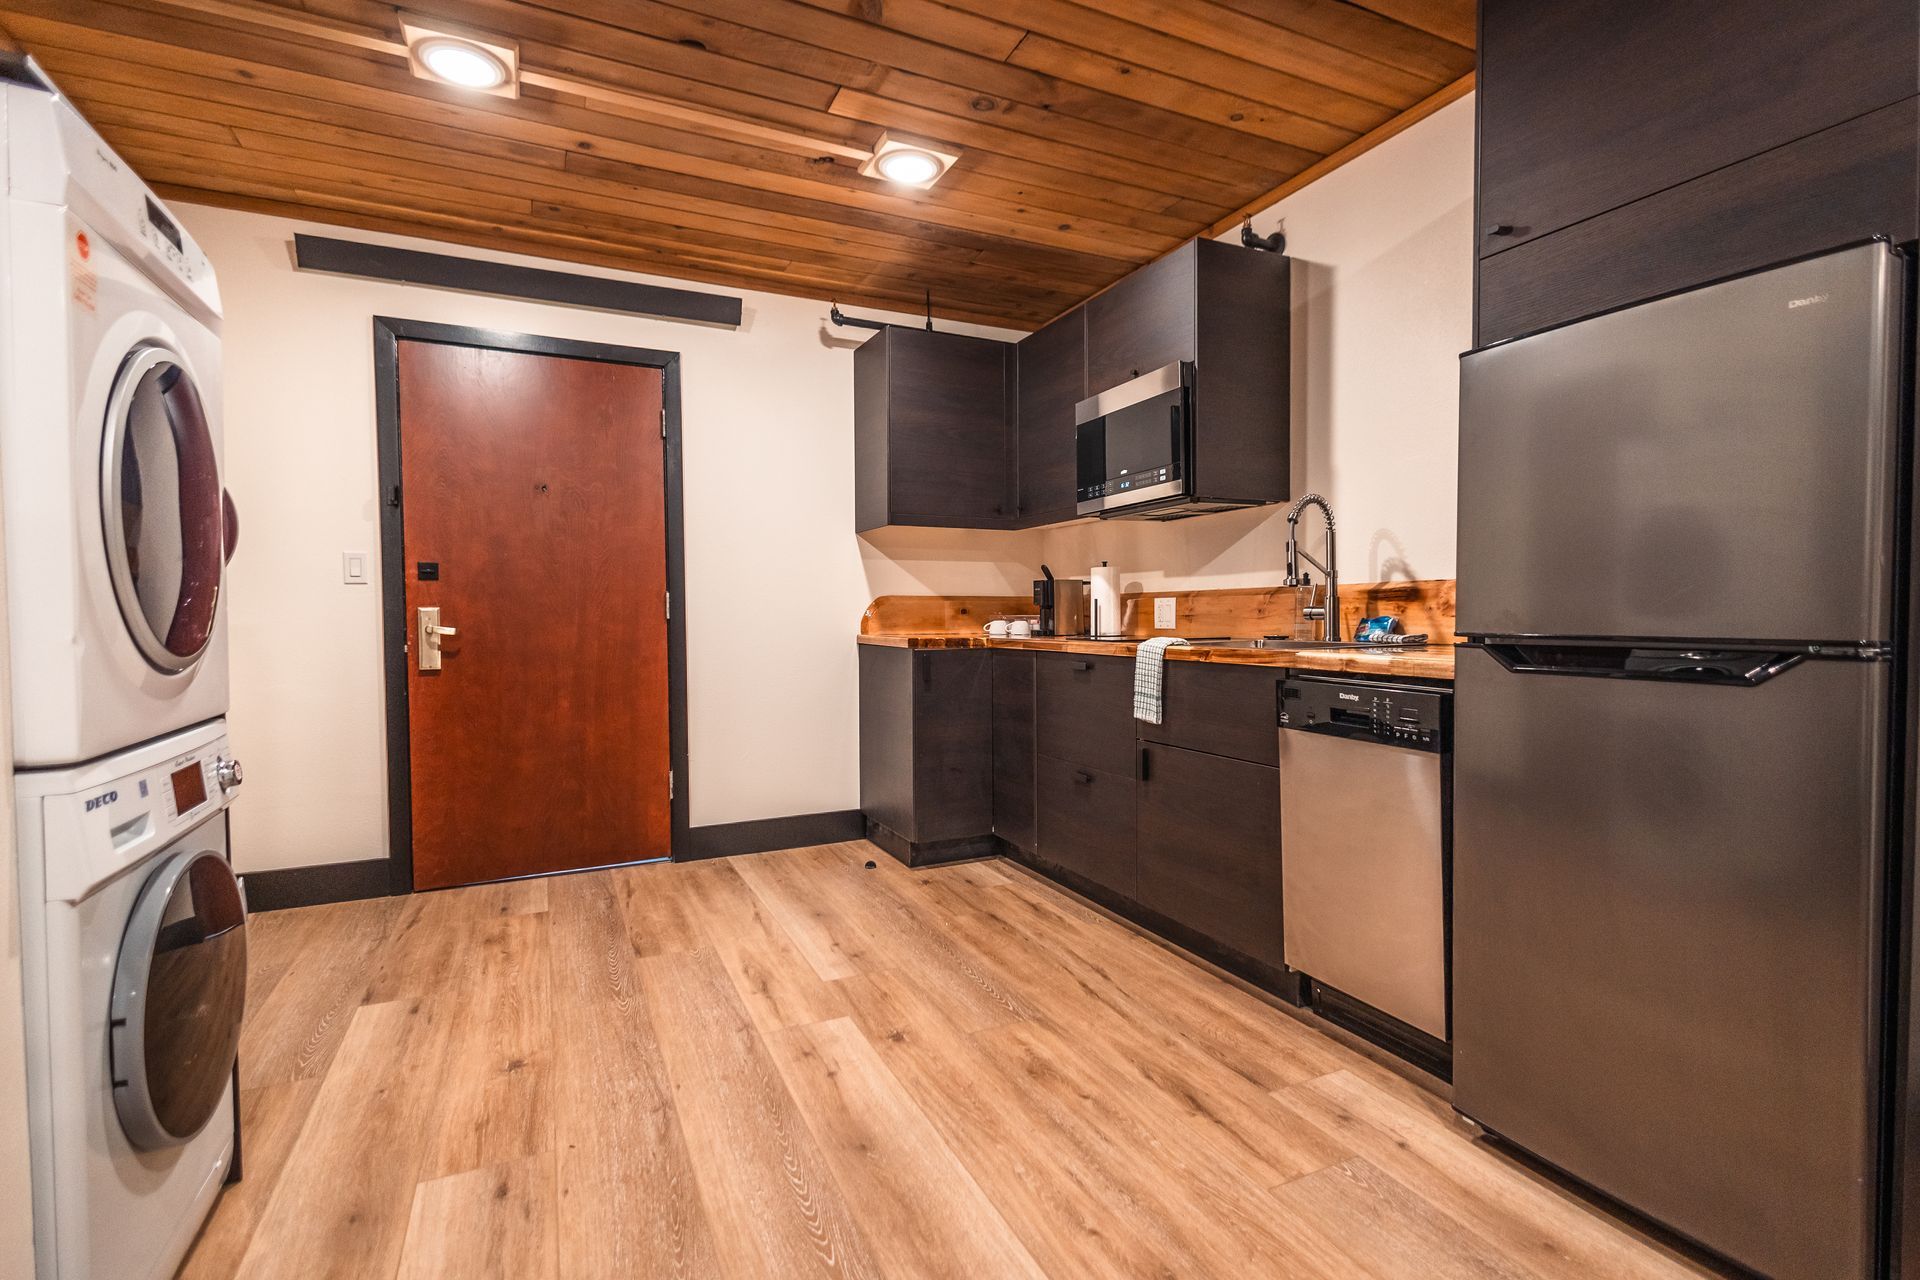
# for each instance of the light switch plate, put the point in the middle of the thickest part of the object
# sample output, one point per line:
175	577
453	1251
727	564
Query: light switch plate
1163	613
353	568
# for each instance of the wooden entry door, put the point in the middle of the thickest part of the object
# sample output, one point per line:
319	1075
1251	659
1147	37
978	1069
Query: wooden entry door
534	518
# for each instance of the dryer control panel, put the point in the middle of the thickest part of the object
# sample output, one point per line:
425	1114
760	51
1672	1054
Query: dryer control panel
118	811
55	157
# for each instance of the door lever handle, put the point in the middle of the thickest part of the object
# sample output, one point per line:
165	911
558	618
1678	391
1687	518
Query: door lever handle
427	635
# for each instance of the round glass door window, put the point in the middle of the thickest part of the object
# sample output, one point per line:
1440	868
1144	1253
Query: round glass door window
162	509
179	994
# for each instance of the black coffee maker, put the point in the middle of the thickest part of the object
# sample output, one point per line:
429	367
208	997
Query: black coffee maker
1063	604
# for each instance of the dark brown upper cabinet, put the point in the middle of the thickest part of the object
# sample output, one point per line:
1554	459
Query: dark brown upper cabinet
1627	154
1585	107
973	434
1053	379
1228	309
1146	321
933	441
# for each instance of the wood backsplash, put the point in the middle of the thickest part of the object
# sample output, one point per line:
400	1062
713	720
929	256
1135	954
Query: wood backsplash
1423	605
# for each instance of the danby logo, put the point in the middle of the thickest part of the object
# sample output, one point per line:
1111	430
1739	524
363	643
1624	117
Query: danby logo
1808	301
102	801
1348	697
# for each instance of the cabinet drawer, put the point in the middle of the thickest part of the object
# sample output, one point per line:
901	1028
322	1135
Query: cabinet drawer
1084	710
1086	822
1208	848
1225	710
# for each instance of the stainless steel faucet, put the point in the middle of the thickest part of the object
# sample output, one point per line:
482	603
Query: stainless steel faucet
1330	612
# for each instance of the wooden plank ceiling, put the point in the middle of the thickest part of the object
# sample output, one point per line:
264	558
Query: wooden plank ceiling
720	140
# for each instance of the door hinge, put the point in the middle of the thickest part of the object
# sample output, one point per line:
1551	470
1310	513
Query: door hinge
669	606
669	784
663	422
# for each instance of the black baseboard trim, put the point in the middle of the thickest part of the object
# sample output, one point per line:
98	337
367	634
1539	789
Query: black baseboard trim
349	881
311	886
761	835
931	853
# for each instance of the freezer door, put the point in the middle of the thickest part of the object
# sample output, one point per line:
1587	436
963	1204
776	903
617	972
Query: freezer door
1718	464
1666	928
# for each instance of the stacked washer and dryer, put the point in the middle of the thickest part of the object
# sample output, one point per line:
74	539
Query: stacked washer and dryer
117	532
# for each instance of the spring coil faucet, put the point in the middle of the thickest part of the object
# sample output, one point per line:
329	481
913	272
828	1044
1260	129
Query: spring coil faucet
1330	613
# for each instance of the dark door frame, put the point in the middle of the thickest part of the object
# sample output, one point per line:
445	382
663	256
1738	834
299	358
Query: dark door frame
388	332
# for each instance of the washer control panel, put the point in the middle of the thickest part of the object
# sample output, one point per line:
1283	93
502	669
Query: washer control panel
113	819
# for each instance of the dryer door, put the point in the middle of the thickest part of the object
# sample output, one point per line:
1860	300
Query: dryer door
179	994
161	507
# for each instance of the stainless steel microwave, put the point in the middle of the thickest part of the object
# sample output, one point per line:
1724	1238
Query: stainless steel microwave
1134	443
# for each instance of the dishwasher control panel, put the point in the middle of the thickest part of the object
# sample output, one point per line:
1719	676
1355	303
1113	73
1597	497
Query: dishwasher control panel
1399	714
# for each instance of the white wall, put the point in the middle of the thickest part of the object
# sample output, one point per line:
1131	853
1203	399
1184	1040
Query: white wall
776	579
1382	254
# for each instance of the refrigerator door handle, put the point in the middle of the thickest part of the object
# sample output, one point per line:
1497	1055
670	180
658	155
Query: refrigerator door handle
1741	668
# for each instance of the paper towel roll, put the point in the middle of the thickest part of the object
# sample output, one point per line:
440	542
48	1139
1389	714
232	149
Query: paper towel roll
1103	597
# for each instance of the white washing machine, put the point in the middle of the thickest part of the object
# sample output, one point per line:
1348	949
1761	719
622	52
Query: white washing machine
135	966
110	446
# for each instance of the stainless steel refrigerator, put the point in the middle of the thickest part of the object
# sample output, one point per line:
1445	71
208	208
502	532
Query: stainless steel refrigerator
1678	776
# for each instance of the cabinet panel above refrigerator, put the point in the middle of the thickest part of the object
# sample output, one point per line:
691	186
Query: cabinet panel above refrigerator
1719	463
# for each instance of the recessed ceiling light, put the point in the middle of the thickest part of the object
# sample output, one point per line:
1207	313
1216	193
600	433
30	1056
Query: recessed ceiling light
907	164
457	62
466	59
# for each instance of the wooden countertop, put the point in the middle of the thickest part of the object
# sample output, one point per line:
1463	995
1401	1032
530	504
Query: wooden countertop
1435	662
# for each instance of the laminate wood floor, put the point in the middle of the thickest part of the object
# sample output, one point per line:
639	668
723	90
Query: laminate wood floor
788	1064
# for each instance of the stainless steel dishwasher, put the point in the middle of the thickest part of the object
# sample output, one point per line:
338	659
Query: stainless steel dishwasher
1364	777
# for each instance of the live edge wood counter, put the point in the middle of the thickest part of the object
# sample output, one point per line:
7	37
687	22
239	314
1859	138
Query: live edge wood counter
1432	663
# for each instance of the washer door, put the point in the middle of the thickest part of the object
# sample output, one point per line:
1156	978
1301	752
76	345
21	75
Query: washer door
179	993
161	507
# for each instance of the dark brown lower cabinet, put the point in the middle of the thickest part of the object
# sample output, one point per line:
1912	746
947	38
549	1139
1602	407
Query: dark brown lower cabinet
926	752
965	752
1013	812
1086	822
1208	847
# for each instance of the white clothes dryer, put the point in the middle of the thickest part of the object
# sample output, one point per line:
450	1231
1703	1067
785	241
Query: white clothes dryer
134	958
117	525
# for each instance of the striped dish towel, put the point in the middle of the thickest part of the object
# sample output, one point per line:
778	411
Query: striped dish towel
1148	695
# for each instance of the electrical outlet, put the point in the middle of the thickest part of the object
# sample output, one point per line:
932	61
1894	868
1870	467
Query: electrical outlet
1163	613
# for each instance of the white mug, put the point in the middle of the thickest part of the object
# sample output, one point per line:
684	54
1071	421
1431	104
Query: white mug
1021	629
997	628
